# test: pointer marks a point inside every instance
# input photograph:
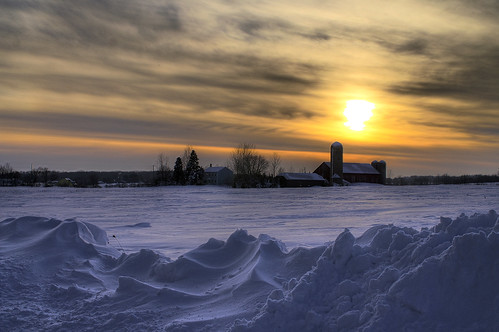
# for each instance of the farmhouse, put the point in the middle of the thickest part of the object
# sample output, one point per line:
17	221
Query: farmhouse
219	176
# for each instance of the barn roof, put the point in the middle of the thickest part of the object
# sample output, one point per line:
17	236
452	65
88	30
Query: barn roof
359	168
356	168
302	176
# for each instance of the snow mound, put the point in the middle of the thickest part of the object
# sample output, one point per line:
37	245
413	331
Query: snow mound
394	279
69	269
65	275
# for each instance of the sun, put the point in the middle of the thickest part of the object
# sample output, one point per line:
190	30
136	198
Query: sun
358	112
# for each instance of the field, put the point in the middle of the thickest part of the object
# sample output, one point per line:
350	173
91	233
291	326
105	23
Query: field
213	258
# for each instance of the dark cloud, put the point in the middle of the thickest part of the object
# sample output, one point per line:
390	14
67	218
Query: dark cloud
270	28
287	79
475	128
427	88
253	27
480	120
237	93
95	32
108	23
171	130
481	9
317	35
401	42
465	71
417	46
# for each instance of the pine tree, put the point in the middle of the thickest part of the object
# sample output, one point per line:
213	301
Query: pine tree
178	172
193	172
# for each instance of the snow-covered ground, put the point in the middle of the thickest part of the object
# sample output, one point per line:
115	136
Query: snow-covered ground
173	220
196	258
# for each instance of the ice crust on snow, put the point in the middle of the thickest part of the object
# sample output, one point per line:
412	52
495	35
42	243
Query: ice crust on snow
64	274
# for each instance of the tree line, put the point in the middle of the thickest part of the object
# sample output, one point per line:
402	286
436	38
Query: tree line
249	169
42	176
441	179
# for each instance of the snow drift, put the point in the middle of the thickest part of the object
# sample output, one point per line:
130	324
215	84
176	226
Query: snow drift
62	275
395	279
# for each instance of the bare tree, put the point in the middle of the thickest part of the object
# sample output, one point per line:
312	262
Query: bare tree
6	169
259	165
163	170
8	176
44	173
187	155
33	176
248	165
245	161
275	163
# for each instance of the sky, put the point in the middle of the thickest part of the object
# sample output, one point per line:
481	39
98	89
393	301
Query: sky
108	85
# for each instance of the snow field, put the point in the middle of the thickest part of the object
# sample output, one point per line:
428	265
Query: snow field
406	274
62	275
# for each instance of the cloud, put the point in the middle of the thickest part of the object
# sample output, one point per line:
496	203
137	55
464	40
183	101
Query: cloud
466	71
479	121
411	46
152	128
480	9
113	35
272	28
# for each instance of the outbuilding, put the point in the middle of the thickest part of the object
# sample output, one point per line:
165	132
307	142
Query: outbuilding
300	180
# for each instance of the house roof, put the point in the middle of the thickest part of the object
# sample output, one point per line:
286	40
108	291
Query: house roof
214	169
356	168
302	176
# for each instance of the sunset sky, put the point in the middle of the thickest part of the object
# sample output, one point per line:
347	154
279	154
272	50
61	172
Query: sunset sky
107	85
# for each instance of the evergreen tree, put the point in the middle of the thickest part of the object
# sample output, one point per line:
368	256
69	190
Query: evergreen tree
178	172
193	172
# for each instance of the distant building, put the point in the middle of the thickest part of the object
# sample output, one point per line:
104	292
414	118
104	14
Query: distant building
300	180
351	172
220	176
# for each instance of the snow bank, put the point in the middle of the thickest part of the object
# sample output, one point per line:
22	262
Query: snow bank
62	275
66	275
394	279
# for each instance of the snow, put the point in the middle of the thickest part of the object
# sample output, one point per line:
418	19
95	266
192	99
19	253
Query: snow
445	281
105	259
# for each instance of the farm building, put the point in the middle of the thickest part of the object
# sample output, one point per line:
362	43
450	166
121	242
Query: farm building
300	180
220	176
350	172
